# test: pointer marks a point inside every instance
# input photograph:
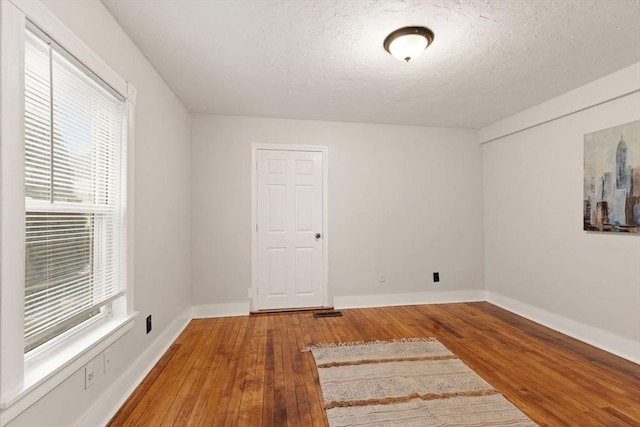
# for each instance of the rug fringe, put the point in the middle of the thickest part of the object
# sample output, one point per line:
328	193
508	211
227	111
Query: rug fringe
357	343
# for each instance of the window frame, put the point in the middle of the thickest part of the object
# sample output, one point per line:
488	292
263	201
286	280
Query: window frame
26	378
102	209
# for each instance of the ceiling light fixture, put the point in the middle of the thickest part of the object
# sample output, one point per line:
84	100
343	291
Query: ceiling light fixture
408	42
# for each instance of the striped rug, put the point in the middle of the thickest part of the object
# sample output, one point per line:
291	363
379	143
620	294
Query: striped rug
411	382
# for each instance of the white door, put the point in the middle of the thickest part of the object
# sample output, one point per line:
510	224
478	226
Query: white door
289	229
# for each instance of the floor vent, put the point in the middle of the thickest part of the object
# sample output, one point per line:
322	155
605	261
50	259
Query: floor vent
327	314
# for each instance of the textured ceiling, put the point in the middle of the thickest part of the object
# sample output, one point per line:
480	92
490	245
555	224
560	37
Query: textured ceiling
324	60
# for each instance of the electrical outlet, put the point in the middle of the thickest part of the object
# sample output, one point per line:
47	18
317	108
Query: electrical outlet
436	277
380	277
148	323
89	375
106	360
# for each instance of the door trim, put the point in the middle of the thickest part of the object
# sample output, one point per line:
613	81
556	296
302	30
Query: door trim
255	147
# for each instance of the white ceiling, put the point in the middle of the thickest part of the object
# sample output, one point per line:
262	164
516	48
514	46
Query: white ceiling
324	60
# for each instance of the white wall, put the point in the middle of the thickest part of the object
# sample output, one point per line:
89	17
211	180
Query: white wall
538	259
406	201
162	209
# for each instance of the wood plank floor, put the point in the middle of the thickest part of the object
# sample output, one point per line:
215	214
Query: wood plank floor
250	371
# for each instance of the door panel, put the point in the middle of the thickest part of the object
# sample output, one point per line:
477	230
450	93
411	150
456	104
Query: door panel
304	208
277	166
304	271
289	212
277	208
304	167
277	271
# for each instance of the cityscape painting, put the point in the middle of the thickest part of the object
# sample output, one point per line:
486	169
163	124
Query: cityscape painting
612	179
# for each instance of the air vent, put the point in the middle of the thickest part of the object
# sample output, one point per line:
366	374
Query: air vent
327	314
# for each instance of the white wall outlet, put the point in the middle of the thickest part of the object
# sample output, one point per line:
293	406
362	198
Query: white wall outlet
106	360
89	375
380	277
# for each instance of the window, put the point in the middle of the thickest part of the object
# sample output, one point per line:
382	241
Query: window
73	191
65	216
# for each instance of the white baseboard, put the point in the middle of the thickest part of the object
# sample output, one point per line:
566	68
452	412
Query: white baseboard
220	310
620	346
105	407
413	298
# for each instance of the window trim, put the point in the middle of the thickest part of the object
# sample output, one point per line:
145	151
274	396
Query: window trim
43	376
24	381
45	350
55	82
49	24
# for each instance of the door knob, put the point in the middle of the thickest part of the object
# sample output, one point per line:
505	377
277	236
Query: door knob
318	236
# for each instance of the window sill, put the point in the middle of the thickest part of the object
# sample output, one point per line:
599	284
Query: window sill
44	375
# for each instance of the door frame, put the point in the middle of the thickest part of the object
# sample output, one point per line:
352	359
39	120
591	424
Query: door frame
255	147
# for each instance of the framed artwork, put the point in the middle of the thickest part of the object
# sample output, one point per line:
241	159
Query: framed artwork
612	179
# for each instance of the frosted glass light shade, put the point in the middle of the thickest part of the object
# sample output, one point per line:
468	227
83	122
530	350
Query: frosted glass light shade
407	43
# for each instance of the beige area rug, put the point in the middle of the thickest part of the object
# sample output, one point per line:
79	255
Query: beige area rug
413	382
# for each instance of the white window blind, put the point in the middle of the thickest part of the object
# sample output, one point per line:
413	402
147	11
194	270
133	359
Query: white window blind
75	181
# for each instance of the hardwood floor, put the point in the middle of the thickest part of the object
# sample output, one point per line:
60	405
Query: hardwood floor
251	371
